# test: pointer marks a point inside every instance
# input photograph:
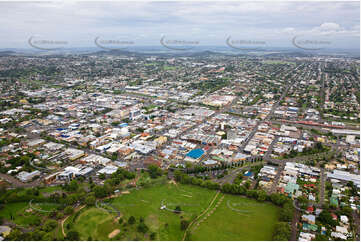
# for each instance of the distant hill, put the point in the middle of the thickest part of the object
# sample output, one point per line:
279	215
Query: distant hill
189	53
7	53
290	54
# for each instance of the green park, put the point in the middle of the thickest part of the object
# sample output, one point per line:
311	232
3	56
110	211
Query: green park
164	208
147	206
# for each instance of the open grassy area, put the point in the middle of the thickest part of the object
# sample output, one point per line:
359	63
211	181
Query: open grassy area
224	223
95	223
236	218
50	189
13	209
278	62
45	206
15	212
169	68
146	203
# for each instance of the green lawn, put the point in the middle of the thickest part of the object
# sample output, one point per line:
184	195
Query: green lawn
13	209
169	68
45	206
146	203
17	211
236	218
96	223
277	62
50	189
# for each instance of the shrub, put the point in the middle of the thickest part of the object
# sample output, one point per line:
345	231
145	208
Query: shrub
142	227
68	210
131	220
72	235
184	224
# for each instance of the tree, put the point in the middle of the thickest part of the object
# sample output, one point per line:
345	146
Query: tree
321	237
53	214
153	236
131	220
49	225
154	171
100	191
303	201
102	176
178	209
261	196
114	156
247	184
72	235
90	200
37	234
286	212
226	188
36	221
73	186
68	210
59	216
282	231
346	210
142	227
47	237
325	218
319	146
184	224
72	199
15	234
278	199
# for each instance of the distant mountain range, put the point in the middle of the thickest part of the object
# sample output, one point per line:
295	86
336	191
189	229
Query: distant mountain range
197	52
7	53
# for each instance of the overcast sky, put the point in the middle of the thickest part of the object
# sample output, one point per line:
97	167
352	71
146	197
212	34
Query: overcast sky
209	23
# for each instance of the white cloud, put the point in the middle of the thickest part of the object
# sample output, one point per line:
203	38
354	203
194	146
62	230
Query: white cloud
81	22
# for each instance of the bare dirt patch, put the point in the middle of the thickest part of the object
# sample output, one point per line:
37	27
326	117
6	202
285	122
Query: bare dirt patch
172	182
114	233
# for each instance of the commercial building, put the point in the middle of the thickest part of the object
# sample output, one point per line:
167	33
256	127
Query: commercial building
25	176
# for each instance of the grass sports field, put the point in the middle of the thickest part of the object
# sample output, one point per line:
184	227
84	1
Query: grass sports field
236	218
228	218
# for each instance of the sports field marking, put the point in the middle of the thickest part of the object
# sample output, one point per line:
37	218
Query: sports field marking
209	213
243	212
190	225
186	195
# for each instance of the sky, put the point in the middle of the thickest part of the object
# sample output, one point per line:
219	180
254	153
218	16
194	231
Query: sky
278	24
